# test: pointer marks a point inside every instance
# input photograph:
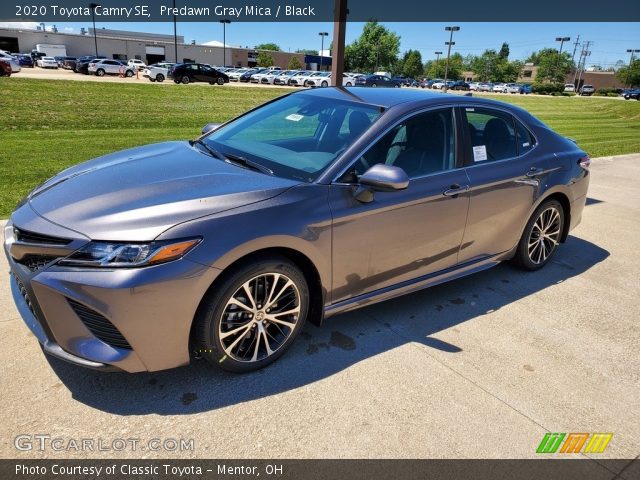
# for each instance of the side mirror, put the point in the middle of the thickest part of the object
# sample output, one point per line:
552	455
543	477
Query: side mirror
210	127
381	178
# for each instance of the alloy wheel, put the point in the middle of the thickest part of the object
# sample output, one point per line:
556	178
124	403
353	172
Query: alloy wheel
545	235
259	317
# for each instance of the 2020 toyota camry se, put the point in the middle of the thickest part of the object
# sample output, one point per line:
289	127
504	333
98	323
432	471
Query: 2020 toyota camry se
313	204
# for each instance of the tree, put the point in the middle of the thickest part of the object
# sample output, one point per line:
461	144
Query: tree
411	64
268	46
503	54
376	48
307	51
630	75
265	60
552	66
294	64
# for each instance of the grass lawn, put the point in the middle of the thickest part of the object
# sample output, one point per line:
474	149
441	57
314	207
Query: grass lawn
48	125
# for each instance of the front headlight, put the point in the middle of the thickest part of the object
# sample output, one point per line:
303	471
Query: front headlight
122	254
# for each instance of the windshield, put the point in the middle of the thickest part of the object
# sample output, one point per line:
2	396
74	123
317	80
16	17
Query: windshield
298	136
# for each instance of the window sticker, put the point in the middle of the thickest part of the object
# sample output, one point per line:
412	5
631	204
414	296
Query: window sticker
469	109
479	153
294	117
525	144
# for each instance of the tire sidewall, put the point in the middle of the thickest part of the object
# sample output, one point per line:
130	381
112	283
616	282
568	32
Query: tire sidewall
210	314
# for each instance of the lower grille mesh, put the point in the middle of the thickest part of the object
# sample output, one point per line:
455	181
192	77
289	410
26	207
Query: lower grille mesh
100	326
36	262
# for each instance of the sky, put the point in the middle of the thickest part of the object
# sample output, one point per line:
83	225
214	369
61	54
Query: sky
610	40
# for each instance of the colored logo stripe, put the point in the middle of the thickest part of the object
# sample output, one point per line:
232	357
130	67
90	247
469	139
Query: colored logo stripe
574	443
598	442
550	443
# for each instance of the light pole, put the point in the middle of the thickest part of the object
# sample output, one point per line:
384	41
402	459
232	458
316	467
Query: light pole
632	51
175	33
224	40
449	43
561	40
93	7
322	35
437	61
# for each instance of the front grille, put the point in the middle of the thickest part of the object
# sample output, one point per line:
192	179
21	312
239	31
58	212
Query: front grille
100	326
36	262
38	238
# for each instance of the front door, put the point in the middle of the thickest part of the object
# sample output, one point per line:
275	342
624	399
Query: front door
402	235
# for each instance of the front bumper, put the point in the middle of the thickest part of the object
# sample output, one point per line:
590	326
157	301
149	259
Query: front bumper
152	308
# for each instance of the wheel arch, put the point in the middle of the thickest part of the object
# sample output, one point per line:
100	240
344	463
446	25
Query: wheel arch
317	292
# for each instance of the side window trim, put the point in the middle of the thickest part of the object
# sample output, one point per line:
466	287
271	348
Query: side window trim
404	118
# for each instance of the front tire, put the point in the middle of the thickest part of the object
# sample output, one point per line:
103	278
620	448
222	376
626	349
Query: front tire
220	81
541	236
160	78
185	80
100	72
253	316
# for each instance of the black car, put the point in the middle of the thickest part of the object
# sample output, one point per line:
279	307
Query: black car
197	72
633	94
376	81
459	85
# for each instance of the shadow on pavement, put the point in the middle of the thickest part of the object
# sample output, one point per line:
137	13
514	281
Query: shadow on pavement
318	353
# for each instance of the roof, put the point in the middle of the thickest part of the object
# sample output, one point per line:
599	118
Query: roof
388	97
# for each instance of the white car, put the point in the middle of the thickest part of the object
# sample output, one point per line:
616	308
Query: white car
474	86
499	88
284	77
135	63
323	79
439	85
47	62
302	80
256	77
270	77
112	67
513	88
157	72
235	76
569	87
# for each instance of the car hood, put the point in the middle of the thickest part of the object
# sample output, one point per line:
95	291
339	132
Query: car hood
137	194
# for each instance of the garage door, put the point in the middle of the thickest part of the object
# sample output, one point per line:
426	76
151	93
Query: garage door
154	50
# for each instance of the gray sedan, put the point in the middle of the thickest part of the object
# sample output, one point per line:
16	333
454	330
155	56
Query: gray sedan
313	204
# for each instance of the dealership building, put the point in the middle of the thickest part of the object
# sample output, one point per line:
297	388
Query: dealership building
148	47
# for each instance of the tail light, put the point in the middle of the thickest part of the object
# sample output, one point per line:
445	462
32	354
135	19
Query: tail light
585	162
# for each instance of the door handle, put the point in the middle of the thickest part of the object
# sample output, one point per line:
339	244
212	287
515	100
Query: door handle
534	172
455	190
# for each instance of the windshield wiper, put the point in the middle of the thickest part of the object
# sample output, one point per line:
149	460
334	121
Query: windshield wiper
208	148
245	162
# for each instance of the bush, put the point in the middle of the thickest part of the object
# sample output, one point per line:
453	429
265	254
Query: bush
604	92
548	88
568	94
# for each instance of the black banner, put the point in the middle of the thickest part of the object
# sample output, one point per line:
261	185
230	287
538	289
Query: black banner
548	469
313	11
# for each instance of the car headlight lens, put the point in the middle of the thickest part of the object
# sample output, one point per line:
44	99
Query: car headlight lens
122	254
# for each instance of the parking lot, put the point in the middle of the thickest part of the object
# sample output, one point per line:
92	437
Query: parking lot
480	367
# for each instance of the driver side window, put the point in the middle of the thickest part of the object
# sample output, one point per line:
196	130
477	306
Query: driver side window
421	145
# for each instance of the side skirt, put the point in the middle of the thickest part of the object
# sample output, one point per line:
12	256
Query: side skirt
414	285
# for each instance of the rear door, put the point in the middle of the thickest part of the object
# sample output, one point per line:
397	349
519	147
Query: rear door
506	174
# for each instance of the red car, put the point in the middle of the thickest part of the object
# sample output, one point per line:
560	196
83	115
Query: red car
5	68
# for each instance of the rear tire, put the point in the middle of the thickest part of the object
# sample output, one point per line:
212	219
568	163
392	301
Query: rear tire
220	81
253	316
128	74
541	236
160	78
185	80
100	72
